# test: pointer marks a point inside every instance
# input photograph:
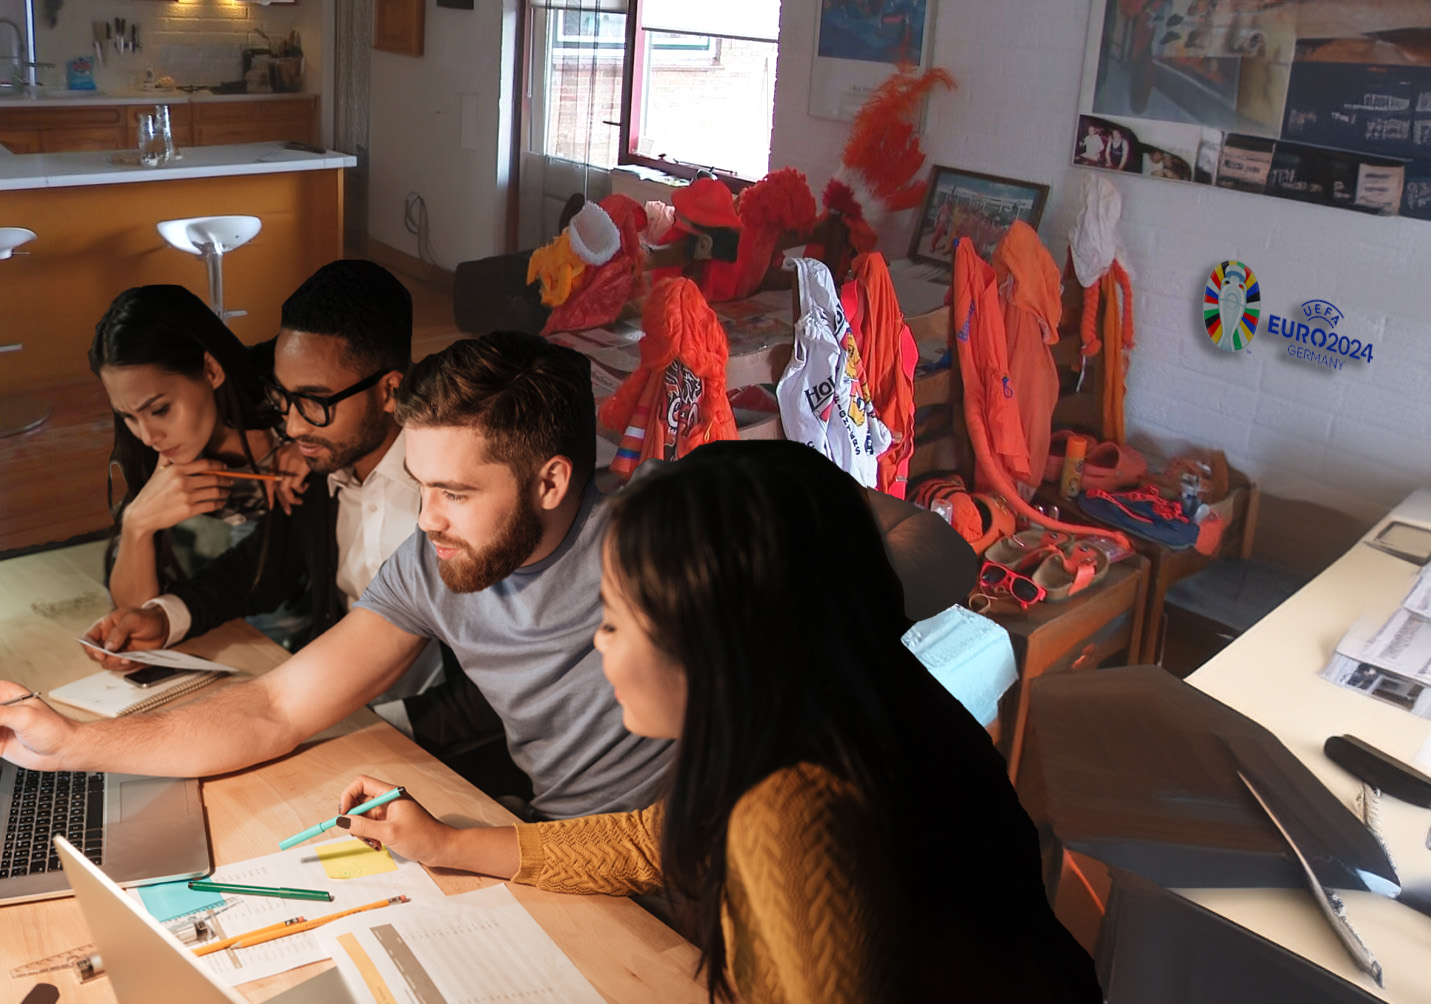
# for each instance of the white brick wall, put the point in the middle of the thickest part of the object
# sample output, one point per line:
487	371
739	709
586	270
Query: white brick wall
195	41
1357	440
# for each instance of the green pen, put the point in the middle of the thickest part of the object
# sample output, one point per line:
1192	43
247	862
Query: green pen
328	824
277	892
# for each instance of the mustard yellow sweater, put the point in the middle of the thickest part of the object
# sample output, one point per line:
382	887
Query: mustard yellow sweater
804	919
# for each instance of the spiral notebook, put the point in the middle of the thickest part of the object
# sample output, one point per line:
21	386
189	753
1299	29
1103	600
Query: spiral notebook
110	695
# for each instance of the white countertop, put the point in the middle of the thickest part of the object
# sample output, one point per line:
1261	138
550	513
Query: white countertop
81	99
69	170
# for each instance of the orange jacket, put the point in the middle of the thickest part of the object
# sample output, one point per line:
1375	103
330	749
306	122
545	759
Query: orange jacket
890	356
1030	290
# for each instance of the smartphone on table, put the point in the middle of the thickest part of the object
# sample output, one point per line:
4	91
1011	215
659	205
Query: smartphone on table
150	675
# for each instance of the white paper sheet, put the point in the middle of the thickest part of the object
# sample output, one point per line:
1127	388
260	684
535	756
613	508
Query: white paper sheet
299	868
1400	691
164	657
1418	601
478	947
1401	645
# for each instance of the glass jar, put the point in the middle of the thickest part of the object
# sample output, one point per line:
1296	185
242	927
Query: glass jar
151	144
166	134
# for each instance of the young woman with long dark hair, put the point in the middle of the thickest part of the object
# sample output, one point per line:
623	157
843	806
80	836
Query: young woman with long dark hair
837	827
187	399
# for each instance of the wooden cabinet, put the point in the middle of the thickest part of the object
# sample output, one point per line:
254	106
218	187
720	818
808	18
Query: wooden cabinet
59	129
1082	633
258	121
398	26
55	130
89	138
19	140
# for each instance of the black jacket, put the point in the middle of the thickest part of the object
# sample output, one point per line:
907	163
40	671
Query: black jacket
298	555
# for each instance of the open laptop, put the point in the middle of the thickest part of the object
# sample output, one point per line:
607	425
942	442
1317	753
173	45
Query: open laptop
145	963
138	830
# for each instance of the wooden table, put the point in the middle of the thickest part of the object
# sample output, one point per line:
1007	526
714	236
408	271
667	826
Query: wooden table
46	599
1079	634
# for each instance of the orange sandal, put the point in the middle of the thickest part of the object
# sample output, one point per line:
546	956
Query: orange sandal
1021	551
1105	465
1070	570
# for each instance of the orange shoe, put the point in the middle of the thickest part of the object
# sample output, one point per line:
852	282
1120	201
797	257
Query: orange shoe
1071	569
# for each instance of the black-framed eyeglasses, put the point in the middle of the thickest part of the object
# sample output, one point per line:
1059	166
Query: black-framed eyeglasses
316	411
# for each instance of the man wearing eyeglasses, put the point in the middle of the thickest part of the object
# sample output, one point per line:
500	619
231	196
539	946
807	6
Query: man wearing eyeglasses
344	344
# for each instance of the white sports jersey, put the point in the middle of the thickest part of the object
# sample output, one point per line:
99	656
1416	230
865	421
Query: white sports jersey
824	401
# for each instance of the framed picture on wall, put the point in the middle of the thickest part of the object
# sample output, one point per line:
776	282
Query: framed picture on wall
981	207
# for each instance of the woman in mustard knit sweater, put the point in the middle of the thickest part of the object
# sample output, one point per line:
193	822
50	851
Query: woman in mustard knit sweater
837	827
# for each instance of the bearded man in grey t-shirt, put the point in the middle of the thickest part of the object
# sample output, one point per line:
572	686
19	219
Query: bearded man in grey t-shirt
504	567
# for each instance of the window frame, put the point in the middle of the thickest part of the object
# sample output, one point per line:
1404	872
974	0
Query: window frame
536	97
634	69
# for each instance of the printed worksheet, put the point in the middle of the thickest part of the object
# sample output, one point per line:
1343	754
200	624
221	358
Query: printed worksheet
1418	601
163	657
1401	645
1399	691
475	948
374	876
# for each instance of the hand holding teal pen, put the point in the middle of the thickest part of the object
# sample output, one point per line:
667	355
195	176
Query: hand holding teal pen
327	824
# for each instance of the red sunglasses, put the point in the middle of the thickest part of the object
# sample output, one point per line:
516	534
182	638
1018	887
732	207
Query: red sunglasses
996	577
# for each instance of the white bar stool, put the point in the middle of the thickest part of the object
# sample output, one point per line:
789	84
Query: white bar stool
17	413
211	237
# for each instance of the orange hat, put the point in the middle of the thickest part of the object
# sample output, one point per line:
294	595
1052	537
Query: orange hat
706	202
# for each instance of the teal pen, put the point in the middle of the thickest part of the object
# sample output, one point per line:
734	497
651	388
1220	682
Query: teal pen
328	824
278	892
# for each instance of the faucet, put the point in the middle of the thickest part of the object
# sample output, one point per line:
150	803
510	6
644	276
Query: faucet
17	52
24	44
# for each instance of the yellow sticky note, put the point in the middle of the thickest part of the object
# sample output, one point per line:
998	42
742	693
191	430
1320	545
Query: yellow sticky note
354	859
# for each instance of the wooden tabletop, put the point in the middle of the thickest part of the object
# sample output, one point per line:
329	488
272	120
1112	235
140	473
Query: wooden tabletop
46	599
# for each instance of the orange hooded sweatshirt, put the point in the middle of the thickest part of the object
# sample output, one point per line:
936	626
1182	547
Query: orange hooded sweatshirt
1032	305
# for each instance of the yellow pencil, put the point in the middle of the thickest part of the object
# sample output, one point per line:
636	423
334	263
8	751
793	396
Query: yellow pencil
259	937
220	945
246	475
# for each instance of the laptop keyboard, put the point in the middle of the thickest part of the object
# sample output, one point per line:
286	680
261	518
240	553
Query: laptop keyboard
70	803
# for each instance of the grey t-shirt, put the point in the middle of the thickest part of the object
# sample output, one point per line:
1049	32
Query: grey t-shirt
526	642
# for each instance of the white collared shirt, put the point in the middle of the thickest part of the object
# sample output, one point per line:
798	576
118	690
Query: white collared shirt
375	515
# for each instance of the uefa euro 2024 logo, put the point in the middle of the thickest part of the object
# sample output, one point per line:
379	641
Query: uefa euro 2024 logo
1316	340
1232	304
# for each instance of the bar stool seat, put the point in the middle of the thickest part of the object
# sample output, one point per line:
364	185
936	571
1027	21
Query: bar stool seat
17	413
13	237
210	238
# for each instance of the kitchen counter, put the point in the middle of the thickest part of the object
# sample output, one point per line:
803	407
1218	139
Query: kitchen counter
95	225
69	170
82	99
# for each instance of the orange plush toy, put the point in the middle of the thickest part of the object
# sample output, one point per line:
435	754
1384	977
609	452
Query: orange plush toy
590	291
676	399
779	203
705	211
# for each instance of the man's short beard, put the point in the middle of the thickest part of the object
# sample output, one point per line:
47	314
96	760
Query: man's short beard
343	454
471	571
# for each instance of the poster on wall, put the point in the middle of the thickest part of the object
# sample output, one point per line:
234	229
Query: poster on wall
859	43
1320	101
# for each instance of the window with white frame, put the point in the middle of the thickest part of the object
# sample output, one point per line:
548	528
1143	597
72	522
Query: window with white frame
673	83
